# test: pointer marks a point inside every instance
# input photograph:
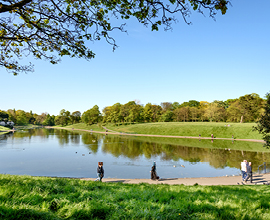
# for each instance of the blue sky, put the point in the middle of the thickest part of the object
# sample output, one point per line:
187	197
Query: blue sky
206	61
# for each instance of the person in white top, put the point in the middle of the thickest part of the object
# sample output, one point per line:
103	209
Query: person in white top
244	169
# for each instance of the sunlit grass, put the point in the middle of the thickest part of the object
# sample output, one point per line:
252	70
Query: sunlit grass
24	197
194	129
2	129
94	127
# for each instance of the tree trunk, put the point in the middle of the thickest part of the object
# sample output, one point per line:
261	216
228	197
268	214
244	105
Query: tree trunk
241	121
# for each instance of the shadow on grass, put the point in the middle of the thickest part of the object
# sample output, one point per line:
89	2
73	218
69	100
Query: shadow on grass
16	213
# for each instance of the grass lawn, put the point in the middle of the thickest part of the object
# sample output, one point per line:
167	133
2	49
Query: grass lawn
28	126
2	129
83	126
205	129
24	197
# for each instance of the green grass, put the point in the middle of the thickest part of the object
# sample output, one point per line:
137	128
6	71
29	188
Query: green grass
2	129
28	126
83	126
24	197
205	129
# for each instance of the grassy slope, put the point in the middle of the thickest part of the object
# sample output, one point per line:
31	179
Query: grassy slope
3	129
239	131
24	197
84	126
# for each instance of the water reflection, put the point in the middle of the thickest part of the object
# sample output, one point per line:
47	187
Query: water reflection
121	151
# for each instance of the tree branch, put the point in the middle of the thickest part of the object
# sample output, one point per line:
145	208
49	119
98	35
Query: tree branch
5	8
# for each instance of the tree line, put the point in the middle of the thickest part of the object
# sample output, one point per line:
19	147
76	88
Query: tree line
247	108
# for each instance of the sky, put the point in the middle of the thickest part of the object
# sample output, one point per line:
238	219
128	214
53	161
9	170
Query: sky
209	60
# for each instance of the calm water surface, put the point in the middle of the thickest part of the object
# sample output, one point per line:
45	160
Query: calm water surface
49	152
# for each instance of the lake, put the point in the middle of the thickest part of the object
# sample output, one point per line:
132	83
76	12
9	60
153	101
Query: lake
62	153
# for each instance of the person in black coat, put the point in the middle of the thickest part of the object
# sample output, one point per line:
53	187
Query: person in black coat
100	171
153	171
249	172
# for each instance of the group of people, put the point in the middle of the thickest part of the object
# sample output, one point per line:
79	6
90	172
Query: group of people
100	172
246	170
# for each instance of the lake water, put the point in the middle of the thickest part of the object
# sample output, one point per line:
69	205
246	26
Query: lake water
61	153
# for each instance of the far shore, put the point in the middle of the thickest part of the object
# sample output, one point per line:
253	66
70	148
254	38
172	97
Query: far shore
152	135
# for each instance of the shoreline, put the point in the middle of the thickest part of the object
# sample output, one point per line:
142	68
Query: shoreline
258	179
153	135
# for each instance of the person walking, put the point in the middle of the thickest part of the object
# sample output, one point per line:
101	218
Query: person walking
244	169
249	172
100	172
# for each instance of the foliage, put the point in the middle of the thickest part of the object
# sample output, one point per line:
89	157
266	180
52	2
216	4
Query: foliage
21	117
49	121
3	116
263	124
75	117
54	28
246	108
91	116
24	197
63	118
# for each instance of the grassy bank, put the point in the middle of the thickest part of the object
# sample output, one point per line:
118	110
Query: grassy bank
24	197
83	126
216	144
3	129
28	126
205	129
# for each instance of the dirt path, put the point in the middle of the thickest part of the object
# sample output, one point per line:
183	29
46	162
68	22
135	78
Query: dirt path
258	179
153	135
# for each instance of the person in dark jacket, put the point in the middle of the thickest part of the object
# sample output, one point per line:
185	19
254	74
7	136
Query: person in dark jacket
249	172
100	171
153	171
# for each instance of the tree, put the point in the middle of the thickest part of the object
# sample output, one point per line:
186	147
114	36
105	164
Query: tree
63	118
21	117
3	116
181	114
112	113
30	117
250	105
148	113
157	112
175	105
125	110
49	121
211	111
167	116
75	117
12	115
91	116
135	113
194	112
263	124
51	29
40	118
166	106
